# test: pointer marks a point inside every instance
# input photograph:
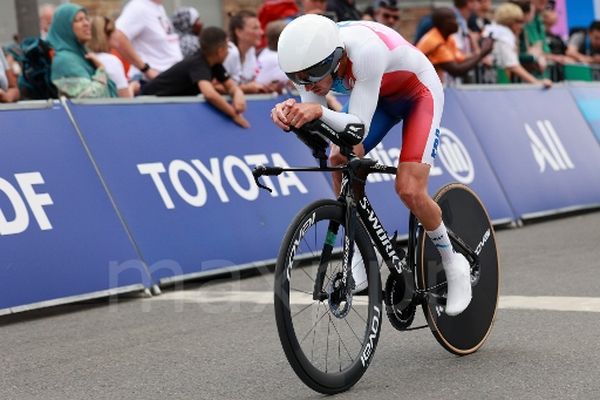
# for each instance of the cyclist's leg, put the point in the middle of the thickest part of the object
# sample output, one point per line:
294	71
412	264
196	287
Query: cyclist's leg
419	148
380	125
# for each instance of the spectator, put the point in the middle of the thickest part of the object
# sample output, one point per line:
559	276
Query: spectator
368	14
464	40
194	75
76	73
314	7
188	26
241	63
386	12
102	29
557	46
344	10
268	63
585	46
479	19
509	21
46	12
273	10
533	40
440	47
146	38
9	92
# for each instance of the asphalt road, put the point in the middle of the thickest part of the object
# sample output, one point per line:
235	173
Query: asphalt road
211	340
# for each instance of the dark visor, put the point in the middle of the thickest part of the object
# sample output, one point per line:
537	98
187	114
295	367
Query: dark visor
318	71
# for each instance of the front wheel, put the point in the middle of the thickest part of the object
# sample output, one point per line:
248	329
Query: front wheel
465	215
328	334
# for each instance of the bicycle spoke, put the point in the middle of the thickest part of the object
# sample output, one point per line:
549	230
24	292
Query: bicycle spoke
301	291
344	343
314	326
360	316
303	309
327	343
355	335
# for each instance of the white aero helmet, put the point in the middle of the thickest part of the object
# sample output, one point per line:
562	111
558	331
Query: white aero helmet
309	48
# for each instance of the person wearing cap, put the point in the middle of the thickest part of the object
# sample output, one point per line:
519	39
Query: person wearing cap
187	24
386	12
388	81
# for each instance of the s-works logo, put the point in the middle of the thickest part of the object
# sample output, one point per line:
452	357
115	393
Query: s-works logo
547	148
455	157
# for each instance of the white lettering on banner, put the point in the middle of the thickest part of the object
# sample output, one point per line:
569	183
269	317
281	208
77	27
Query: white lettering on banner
36	202
214	177
550	150
287	179
154	170
229	163
237	173
452	153
175	169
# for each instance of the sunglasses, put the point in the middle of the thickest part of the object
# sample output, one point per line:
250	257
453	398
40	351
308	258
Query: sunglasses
391	16
318	71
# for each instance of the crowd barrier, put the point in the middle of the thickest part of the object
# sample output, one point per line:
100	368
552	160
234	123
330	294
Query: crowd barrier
99	198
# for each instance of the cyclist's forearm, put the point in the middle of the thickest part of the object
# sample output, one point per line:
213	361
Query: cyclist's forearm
338	120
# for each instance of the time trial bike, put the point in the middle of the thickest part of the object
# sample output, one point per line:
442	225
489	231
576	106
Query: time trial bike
328	331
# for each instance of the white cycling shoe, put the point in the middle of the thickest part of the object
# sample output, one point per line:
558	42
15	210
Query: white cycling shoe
458	275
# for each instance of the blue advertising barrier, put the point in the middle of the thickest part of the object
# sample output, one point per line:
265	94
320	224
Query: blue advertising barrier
60	238
539	146
181	176
587	97
460	159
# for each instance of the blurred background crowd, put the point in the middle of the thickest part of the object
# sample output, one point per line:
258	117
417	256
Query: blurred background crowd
92	49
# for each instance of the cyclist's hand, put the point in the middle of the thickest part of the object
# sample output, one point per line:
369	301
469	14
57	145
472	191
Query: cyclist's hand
241	121
301	113
278	114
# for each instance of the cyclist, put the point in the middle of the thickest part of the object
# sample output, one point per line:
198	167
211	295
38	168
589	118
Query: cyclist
388	80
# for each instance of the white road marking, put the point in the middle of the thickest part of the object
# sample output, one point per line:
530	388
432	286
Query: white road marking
548	303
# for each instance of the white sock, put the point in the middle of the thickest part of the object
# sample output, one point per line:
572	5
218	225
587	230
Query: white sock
442	243
457	269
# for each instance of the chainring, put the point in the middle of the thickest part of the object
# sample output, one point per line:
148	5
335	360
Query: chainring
401	319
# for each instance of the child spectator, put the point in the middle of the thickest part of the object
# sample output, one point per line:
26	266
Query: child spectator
102	29
9	93
508	24
440	47
241	63
194	75
76	72
188	26
145	37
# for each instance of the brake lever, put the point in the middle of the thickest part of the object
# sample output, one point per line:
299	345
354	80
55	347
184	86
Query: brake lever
261	170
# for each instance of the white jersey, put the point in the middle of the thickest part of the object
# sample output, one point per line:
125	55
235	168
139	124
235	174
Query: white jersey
383	65
147	26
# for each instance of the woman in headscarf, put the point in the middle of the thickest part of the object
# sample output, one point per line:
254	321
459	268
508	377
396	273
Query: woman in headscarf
188	26
76	72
